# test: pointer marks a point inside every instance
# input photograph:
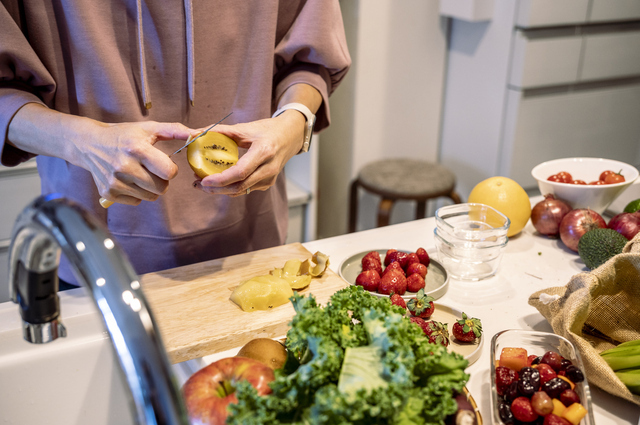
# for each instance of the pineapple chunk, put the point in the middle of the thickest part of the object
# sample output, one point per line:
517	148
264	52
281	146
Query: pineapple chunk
558	407
574	413
513	358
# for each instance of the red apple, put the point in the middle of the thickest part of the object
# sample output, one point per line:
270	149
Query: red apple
210	390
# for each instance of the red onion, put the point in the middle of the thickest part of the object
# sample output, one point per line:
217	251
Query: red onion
547	214
627	224
578	222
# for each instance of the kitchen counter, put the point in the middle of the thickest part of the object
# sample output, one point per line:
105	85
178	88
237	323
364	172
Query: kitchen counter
530	263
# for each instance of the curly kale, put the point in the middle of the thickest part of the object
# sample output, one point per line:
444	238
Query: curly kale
357	361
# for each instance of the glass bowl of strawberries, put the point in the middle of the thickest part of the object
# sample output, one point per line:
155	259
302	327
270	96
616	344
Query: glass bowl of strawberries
538	377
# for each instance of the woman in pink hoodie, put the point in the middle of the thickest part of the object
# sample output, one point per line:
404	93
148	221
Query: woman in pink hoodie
102	92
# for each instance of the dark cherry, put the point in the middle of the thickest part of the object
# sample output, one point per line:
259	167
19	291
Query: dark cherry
504	411
568	397
529	381
554	387
574	374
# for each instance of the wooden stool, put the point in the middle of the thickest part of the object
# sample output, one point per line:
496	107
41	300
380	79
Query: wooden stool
405	179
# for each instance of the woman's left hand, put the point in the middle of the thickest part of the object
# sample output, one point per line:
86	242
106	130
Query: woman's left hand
270	142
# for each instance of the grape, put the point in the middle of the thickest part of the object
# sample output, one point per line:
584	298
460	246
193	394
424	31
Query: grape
554	387
568	397
574	374
504	410
541	403
529	381
553	359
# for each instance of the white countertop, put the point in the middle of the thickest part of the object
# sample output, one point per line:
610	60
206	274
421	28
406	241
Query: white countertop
530	263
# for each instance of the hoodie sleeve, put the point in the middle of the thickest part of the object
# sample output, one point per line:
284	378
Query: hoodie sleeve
313	50
23	79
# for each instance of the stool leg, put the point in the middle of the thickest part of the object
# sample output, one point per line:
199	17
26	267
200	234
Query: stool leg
353	206
421	209
455	197
384	211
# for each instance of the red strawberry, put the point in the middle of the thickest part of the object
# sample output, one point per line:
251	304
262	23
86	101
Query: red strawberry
369	280
412	258
396	299
374	255
393	282
438	333
403	259
395	266
421	305
467	329
423	256
415	282
390	256
422	323
369	263
419	268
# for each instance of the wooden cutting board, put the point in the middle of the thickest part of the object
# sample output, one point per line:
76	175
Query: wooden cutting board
196	318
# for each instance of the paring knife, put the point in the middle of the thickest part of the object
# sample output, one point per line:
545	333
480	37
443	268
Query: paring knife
105	203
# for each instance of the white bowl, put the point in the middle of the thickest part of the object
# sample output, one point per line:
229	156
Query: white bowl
595	197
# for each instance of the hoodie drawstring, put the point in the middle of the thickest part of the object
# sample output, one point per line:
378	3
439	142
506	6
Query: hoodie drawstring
146	96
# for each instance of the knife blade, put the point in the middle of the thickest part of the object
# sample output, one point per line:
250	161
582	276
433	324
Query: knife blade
190	140
105	203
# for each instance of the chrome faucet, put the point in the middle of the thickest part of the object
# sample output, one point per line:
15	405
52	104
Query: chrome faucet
51	223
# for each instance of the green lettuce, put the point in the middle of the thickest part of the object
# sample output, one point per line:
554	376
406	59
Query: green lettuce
356	361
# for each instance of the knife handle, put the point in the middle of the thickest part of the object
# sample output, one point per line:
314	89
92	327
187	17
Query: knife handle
105	203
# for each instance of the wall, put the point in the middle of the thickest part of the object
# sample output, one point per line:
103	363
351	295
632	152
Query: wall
388	105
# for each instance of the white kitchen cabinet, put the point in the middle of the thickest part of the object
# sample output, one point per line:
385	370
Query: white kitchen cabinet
523	89
614	10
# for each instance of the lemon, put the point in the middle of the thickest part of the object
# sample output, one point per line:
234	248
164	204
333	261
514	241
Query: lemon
506	196
632	206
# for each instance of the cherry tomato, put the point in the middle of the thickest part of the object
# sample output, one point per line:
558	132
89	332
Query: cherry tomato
604	174
614	178
565	177
554	178
578	182
597	182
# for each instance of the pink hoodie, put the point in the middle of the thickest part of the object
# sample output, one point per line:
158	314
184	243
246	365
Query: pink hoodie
194	62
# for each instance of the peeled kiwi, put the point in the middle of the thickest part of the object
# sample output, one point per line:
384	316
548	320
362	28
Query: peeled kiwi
211	154
265	350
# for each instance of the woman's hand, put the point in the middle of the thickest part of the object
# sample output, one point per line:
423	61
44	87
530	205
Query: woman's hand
270	142
125	165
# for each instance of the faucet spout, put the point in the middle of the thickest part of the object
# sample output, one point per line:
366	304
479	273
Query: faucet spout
52	224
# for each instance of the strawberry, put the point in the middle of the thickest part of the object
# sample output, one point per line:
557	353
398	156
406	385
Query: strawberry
390	256
467	329
370	263
374	255
369	280
423	256
438	333
412	258
415	282
403	259
397	299
421	305
393	281
419	268
393	266
422	323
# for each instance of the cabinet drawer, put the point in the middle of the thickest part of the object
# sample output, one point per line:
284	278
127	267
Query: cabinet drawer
591	123
539	62
614	10
534	13
17	189
611	55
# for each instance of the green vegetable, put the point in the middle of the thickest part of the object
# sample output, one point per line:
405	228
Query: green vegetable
360	362
598	245
624	359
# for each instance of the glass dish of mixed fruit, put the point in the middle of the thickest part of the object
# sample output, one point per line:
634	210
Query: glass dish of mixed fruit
538	378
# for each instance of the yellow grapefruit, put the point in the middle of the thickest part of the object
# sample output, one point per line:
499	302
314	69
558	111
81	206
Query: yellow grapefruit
506	196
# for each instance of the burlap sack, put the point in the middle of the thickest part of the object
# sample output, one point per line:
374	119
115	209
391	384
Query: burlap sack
595	311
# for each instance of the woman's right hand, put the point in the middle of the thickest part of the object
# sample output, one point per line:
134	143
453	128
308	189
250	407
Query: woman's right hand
125	165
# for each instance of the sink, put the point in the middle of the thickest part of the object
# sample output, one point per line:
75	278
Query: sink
69	381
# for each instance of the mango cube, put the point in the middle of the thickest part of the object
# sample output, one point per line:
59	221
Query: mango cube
558	407
574	413
513	358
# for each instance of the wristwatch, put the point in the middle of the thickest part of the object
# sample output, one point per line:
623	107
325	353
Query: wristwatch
308	115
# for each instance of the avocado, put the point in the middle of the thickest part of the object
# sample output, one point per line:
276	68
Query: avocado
598	245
